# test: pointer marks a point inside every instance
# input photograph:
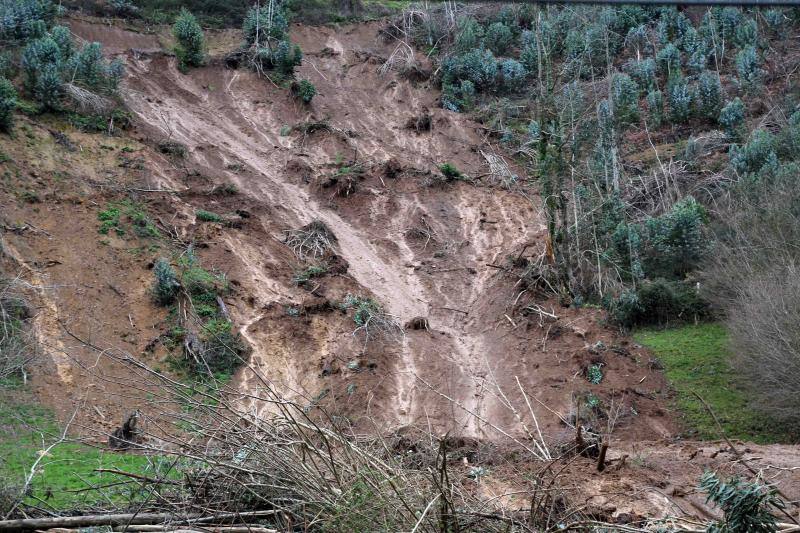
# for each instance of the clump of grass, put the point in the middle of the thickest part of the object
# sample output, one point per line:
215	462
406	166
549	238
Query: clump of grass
309	273
111	218
450	172
208	216
696	359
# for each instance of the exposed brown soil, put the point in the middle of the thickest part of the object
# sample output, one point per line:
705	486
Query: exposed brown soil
432	253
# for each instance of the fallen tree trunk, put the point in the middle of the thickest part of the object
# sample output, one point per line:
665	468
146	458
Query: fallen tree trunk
31	524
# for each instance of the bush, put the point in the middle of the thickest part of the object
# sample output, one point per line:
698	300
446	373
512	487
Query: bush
746	33
39	54
208	216
529	57
191	42
731	118
63	38
469	35
286	57
709	95
644	72
257	24
479	67
748	66
222	348
675	243
680	100
657	303
450	172
756	157
8	103
499	38
48	88
88	66
305	90
669	60
25	19
513	75
166	285
625	99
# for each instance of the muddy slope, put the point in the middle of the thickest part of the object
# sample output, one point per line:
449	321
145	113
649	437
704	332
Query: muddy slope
419	247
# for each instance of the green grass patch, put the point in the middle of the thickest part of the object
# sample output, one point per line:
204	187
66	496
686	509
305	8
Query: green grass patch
121	216
66	472
208	216
696	358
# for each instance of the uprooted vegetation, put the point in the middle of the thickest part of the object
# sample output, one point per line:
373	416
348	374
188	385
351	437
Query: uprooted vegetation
201	338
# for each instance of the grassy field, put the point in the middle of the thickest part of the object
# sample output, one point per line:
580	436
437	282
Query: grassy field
66	474
696	358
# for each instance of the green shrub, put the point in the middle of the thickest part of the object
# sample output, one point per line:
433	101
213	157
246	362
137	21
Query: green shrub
674	241
594	374
731	118
669	60
709	95
479	67
513	74
63	38
208	216
110	219
191	42
748	66
257	21
680	100
25	19
625	99
88	66
165	286
499	38
37	55
656	302
469	35
305	90
8	103
757	156
222	348
789	138
48	89
450	172
644	72
746	33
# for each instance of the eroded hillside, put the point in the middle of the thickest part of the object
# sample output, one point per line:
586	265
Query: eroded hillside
456	344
